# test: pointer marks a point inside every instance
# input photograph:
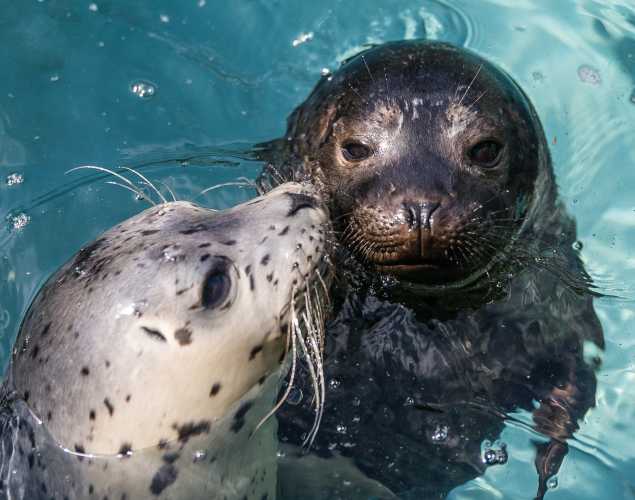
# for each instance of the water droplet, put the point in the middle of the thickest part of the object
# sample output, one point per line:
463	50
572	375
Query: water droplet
501	456
14	178
440	433
201	3
199	455
325	72
164	18
334	383
54	78
143	89
302	38
577	245
93	7
589	74
409	401
295	396
20	220
489	457
552	483
341	428
356	401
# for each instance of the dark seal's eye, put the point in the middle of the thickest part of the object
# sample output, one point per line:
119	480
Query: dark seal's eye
486	154
216	288
355	151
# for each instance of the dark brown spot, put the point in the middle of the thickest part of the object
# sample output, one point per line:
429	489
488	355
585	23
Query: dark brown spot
163	478
111	408
155	334
125	450
284	231
265	260
183	336
254	352
92	415
84	371
189	429
204	257
239	417
148	232
215	389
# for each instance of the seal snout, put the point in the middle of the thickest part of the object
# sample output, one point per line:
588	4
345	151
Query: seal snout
418	214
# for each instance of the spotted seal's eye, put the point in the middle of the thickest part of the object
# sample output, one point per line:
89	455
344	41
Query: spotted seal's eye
486	153
216	288
355	151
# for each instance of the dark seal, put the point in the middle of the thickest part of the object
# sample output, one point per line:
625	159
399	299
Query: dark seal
465	299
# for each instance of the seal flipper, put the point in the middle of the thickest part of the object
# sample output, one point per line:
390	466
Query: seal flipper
557	417
549	457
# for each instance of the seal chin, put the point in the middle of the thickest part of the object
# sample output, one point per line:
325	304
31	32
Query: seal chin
427	272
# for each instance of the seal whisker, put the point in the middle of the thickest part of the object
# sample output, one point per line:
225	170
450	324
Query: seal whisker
169	190
115	174
241	182
150	184
471	83
135	191
367	68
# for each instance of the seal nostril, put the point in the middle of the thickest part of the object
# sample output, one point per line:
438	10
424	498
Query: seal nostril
426	210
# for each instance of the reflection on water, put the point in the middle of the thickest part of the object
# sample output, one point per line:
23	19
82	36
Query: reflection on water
67	101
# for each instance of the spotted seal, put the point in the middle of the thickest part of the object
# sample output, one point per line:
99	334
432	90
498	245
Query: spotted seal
463	289
145	364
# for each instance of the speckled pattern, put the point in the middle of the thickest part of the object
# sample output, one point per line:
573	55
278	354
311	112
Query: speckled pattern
161	343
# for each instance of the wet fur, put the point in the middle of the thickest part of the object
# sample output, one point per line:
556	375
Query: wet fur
411	358
154	376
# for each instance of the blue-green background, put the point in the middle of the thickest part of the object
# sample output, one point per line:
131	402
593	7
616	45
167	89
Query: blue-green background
226	76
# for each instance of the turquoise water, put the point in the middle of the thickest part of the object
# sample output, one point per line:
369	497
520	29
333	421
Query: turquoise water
150	83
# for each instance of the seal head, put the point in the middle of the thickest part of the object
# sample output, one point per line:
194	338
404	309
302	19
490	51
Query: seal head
433	158
164	339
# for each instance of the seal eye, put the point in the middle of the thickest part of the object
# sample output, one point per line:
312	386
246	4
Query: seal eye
355	151
486	153
215	289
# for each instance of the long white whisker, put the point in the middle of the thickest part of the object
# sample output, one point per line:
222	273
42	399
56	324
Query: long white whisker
145	179
115	174
470	85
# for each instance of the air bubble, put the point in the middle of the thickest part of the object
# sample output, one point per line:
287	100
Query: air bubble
409	401
552	483
143	89
199	455
496	455
19	221
341	428
588	74
54	78
14	179
489	457
440	433
334	383
356	401
302	38
164	18
93	7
